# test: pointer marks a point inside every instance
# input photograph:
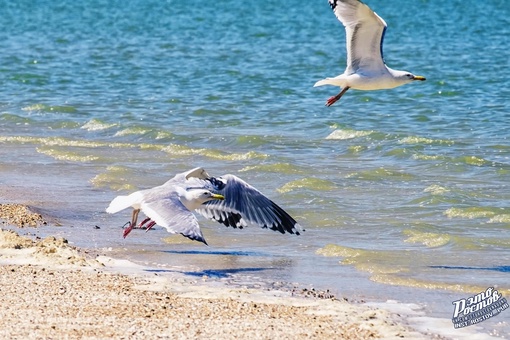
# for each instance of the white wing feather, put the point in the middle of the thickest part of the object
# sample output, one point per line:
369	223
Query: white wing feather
172	215
364	36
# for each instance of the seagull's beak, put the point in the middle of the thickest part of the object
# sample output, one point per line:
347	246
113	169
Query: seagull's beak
218	196
419	78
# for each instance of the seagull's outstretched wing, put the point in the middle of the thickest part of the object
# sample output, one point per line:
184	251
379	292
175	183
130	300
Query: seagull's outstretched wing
244	205
171	214
364	36
181	178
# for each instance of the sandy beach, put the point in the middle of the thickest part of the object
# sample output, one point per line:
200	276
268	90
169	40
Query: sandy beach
50	289
403	193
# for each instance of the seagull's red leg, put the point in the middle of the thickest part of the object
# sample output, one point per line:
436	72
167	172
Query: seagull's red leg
134	218
150	225
334	99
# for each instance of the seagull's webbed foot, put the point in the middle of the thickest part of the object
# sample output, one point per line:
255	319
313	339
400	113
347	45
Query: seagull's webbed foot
127	230
150	225
141	225
334	99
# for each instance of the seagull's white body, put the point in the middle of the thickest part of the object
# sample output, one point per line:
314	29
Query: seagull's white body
169	205
366	69
364	81
227	199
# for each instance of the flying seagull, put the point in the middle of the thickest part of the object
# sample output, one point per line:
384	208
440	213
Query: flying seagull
227	199
366	69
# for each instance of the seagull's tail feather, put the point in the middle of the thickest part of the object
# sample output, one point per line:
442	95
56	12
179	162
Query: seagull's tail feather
330	81
122	202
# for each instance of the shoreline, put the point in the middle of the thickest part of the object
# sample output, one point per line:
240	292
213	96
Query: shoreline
51	289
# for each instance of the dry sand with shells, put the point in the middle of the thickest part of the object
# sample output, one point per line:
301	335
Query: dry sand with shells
49	289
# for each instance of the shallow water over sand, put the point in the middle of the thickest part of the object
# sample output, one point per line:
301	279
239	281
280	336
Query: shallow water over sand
407	188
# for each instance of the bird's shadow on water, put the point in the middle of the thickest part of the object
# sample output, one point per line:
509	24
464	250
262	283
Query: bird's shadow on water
503	269
213	273
216	273
227	253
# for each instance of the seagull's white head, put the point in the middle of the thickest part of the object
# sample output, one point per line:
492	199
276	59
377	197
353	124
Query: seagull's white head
405	77
194	198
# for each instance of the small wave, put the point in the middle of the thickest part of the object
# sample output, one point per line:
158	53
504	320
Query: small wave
469	213
423	157
372	261
395	267
342	134
61	141
115	178
499	242
430	240
423	140
163	135
502	218
132	131
398	152
173	149
334	250
311	183
181	150
435	189
380	174
97	125
50	108
14	118
416	283
66	155
472	160
285	168
469	160
354	149
34	107
50	141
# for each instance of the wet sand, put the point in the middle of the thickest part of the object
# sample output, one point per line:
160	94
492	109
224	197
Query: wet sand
20	215
50	289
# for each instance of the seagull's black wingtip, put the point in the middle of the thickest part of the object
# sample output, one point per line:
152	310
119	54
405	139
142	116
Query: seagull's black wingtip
196	238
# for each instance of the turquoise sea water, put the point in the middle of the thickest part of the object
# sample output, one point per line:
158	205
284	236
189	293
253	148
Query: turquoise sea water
404	193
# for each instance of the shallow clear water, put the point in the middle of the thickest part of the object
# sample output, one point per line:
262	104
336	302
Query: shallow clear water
405	187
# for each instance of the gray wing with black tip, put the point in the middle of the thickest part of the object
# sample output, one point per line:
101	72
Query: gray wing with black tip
245	205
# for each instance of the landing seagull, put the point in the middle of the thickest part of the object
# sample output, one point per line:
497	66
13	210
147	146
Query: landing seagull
366	69
227	199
